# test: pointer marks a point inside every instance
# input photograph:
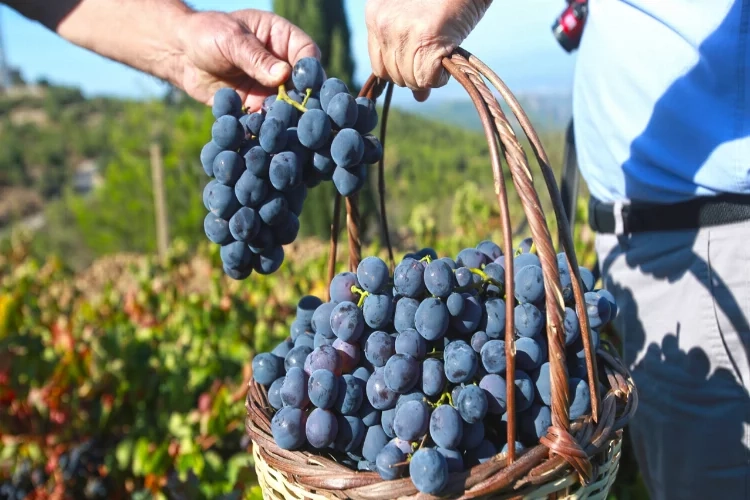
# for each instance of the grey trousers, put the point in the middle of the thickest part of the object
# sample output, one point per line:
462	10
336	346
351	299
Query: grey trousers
684	300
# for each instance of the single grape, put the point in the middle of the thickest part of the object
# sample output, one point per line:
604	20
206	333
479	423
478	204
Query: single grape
478	340
446	427
528	320
285	172
455	304
221	200
284	112
588	279
286	231
306	339
378	393
433	377
493	356
379	347
401	373
321	320
293	391
372	274
349	180
349	354
227	132
266	368
612	303
431	318
235	255
341	285
472	404
314	129
580	396
386	422
347	322
319	341
342	109
529	355
321	428
460	362
308	73
322	161
274	398
377	310
524	390
268	102
282	349
523	260
288	428
206	191
297	356
529	284
367	115
350	395
408	278
226	102
325	357
390	462
412	343
269	260
496	273
453	458
493	321
250	190
361	373
244	225
438	278
541	379
597	308
274	208
471	258
496	392
273	135
373	149
347	148
428	470
412	421
534	423
217	229
322	388
490	249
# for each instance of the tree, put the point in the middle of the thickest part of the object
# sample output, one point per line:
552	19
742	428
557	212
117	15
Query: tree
326	22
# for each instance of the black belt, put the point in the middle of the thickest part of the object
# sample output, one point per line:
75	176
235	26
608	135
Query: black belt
693	214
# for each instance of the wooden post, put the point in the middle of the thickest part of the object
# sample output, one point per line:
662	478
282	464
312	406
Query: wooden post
160	207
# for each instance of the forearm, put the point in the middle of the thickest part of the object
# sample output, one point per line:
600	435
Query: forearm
139	33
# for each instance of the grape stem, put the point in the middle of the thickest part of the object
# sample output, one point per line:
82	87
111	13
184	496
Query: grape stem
362	295
283	96
308	93
426	258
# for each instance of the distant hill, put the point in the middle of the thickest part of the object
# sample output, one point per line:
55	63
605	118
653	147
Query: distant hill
548	112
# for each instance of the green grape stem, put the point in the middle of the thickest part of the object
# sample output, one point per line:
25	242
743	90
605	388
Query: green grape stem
283	96
362	295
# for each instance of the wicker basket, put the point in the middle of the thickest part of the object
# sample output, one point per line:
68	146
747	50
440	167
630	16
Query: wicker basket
575	459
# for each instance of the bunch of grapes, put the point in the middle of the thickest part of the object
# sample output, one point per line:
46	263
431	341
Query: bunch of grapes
263	163
405	374
80	468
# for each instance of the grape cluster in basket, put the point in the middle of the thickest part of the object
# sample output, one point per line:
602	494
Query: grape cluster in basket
405	374
263	163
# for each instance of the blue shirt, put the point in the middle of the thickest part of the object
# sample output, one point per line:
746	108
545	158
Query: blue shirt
661	99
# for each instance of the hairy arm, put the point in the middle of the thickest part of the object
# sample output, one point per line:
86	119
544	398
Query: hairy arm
140	33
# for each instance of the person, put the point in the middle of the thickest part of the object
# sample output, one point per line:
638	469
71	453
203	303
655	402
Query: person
199	52
661	105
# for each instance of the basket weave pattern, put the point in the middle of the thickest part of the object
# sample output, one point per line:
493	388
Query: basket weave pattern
575	459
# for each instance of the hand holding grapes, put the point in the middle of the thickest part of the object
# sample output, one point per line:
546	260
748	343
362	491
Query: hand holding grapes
248	50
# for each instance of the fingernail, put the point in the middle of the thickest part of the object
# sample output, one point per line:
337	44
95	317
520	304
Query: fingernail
278	69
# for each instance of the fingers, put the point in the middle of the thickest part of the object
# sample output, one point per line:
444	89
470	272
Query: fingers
252	57
421	95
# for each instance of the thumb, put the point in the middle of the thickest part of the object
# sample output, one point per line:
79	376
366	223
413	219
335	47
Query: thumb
252	57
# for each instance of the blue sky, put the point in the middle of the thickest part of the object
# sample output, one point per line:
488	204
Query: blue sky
514	38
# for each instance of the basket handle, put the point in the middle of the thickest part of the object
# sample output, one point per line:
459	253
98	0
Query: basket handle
470	72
